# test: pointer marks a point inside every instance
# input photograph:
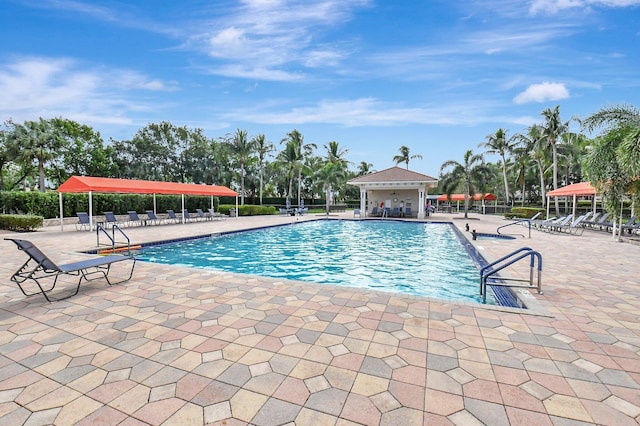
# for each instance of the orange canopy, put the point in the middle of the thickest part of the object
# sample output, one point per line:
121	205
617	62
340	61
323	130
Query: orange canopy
132	186
579	189
460	197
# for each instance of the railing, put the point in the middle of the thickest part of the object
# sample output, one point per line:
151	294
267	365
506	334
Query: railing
112	238
517	222
506	261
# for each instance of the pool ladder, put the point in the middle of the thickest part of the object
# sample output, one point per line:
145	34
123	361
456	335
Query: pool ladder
517	222
493	268
114	245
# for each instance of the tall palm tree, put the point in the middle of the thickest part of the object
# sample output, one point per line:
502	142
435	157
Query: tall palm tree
242	148
498	143
404	156
552	131
290	158
535	144
364	168
304	151
263	148
469	175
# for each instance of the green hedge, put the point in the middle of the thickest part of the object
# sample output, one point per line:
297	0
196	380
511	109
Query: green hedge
247	209
20	222
524	212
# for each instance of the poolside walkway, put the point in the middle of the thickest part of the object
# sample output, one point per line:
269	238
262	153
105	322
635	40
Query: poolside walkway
179	346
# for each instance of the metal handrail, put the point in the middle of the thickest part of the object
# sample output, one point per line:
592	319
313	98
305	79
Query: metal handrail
517	222
506	261
112	237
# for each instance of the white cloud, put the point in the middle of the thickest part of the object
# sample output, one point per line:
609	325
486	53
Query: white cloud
49	87
552	7
542	92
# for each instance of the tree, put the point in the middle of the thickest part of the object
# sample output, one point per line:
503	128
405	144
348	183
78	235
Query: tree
612	163
365	168
404	156
535	144
303	152
552	131
468	175
242	149
498	143
263	149
39	141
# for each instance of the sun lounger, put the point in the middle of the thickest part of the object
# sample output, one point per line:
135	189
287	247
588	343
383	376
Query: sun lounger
407	212
591	220
83	221
172	217
187	216
151	218
549	226
39	267
110	219
217	216
572	228
133	218
201	215
374	212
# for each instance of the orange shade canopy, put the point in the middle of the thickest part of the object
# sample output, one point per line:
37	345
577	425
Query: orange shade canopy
460	197
133	186
579	189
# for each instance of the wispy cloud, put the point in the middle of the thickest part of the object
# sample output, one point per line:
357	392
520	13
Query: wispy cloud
46	87
275	39
542	92
552	7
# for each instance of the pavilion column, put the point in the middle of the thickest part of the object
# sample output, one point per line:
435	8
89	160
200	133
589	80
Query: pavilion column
421	202
363	201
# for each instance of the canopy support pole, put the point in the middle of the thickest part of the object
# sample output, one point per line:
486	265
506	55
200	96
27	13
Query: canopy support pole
548	206
154	203
237	212
182	208
90	210
574	205
212	203
61	212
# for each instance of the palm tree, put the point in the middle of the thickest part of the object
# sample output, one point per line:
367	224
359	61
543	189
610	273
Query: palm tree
520	165
364	168
303	152
290	158
552	131
404	156
534	143
469	175
263	148
497	143
613	161
242	149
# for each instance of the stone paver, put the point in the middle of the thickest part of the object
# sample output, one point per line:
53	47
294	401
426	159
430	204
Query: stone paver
176	345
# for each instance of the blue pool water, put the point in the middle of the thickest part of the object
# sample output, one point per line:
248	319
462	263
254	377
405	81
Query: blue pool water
423	259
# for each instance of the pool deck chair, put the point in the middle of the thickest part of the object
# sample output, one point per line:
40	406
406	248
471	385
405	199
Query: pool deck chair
172	217
110	219
215	215
152	219
39	267
408	212
83	221
133	218
202	215
187	216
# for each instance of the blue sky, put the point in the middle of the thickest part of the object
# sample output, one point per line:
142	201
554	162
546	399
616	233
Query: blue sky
437	76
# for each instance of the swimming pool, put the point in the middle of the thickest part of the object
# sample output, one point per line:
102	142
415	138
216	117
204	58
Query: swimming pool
415	258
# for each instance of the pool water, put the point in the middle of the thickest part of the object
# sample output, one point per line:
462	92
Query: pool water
424	259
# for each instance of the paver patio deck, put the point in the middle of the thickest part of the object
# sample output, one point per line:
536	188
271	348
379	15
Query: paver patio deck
178	346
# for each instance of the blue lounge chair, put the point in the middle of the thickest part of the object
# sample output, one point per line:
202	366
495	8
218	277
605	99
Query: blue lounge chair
83	221
39	267
152	218
395	212
110	219
374	211
172	216
408	212
133	218
187	217
201	215
215	215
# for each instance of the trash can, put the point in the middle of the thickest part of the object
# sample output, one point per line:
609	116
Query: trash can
232	212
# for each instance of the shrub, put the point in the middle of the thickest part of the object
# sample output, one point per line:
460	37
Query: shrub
247	209
20	222
523	212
